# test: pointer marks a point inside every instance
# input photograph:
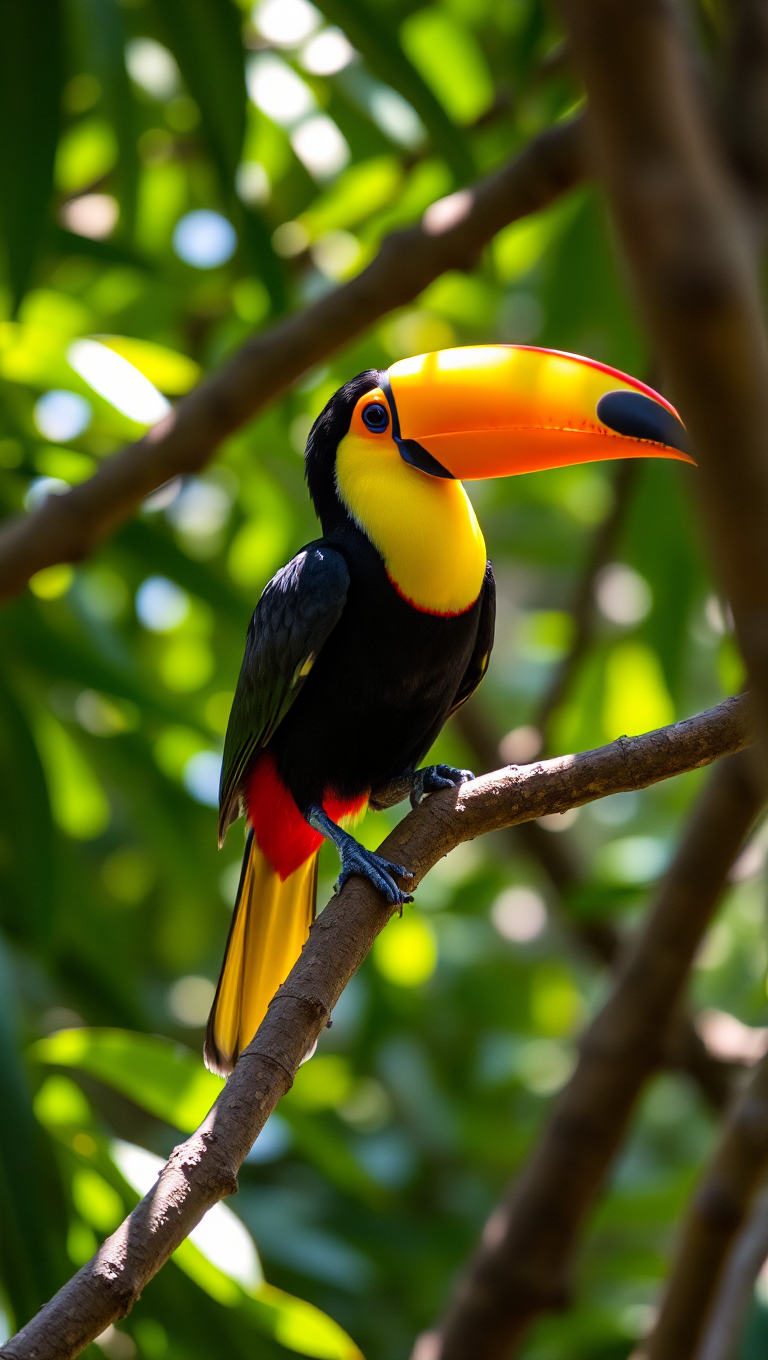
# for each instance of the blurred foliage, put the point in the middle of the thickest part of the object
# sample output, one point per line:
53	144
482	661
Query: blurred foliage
172	177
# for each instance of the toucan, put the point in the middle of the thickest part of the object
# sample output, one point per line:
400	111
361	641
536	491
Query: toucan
375	633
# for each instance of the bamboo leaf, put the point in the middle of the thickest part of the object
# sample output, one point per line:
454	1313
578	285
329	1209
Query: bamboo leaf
26	828
30	1209
206	41
30	91
370	33
105	36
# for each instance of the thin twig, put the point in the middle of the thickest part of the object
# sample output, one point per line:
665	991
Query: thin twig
734	1296
719	1208
524	1262
204	1168
451	235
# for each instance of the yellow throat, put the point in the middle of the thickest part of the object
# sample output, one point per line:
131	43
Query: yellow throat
424	527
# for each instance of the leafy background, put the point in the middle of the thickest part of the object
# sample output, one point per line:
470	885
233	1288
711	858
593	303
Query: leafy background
303	135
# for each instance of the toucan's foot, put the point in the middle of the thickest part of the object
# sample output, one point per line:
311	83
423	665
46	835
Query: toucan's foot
434	777
355	859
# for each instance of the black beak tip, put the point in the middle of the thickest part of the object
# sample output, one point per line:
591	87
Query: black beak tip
639	417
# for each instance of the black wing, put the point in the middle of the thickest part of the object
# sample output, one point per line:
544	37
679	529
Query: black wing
292	620
478	663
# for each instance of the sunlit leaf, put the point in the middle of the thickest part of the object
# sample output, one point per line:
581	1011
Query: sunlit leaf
162	1077
451	61
373	35
79	804
85	153
172	372
636	697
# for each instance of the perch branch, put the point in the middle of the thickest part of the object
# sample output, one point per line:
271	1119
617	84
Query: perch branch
204	1168
523	1264
450	236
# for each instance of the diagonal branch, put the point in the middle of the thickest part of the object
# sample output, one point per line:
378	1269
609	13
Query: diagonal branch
718	1210
523	1264
451	235
204	1168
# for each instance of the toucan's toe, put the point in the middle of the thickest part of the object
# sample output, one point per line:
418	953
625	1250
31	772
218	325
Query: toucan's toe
432	778
355	859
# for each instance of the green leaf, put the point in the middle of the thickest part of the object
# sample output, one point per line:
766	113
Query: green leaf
30	1204
206	40
30	96
451	61
164	1078
105	37
300	1326
375	38
26	828
80	806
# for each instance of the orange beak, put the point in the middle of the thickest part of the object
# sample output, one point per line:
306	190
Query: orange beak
498	410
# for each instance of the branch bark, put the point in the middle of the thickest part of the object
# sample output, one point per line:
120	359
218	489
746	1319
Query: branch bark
450	236
204	1168
687	243
522	1266
718	1210
734	1296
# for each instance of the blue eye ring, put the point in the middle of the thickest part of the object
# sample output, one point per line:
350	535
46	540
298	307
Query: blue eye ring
376	417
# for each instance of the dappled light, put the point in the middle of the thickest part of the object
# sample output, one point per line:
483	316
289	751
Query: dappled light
473	1120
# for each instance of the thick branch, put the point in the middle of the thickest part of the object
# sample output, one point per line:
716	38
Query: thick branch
717	1212
450	236
523	1264
693	266
204	1169
735	1293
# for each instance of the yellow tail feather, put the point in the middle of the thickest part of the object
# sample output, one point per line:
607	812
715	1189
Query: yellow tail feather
269	928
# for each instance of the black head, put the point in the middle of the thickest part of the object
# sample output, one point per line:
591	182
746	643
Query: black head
324	438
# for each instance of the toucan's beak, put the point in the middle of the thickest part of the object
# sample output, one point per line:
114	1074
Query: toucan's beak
496	410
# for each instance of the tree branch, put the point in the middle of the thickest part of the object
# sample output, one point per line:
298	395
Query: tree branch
522	1266
688	247
450	236
718	1210
735	1293
204	1168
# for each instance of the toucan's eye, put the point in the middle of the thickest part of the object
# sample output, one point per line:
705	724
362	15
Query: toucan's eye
376	417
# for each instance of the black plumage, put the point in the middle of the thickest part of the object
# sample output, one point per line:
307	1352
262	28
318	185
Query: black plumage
384	676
